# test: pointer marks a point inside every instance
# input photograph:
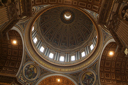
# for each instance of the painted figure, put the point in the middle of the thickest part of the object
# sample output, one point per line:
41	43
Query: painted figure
88	78
30	71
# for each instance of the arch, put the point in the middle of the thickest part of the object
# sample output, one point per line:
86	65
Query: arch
16	28
11	54
113	68
109	41
56	75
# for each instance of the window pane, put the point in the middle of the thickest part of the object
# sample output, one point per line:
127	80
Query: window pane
61	58
72	58
35	40
51	55
96	36
33	28
83	54
42	49
91	47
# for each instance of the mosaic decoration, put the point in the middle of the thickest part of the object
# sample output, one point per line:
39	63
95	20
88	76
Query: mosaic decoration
30	71
25	81
88	78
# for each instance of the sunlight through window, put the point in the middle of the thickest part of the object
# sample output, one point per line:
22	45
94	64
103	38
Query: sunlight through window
72	58
33	28
42	49
35	40
83	54
61	58
51	55
91	47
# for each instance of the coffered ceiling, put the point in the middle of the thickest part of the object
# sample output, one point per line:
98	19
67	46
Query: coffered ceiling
113	69
10	55
93	5
53	80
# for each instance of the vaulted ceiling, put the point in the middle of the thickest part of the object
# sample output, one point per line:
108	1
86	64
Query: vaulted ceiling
113	69
10	55
53	80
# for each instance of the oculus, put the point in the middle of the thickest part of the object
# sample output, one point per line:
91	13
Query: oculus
67	16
